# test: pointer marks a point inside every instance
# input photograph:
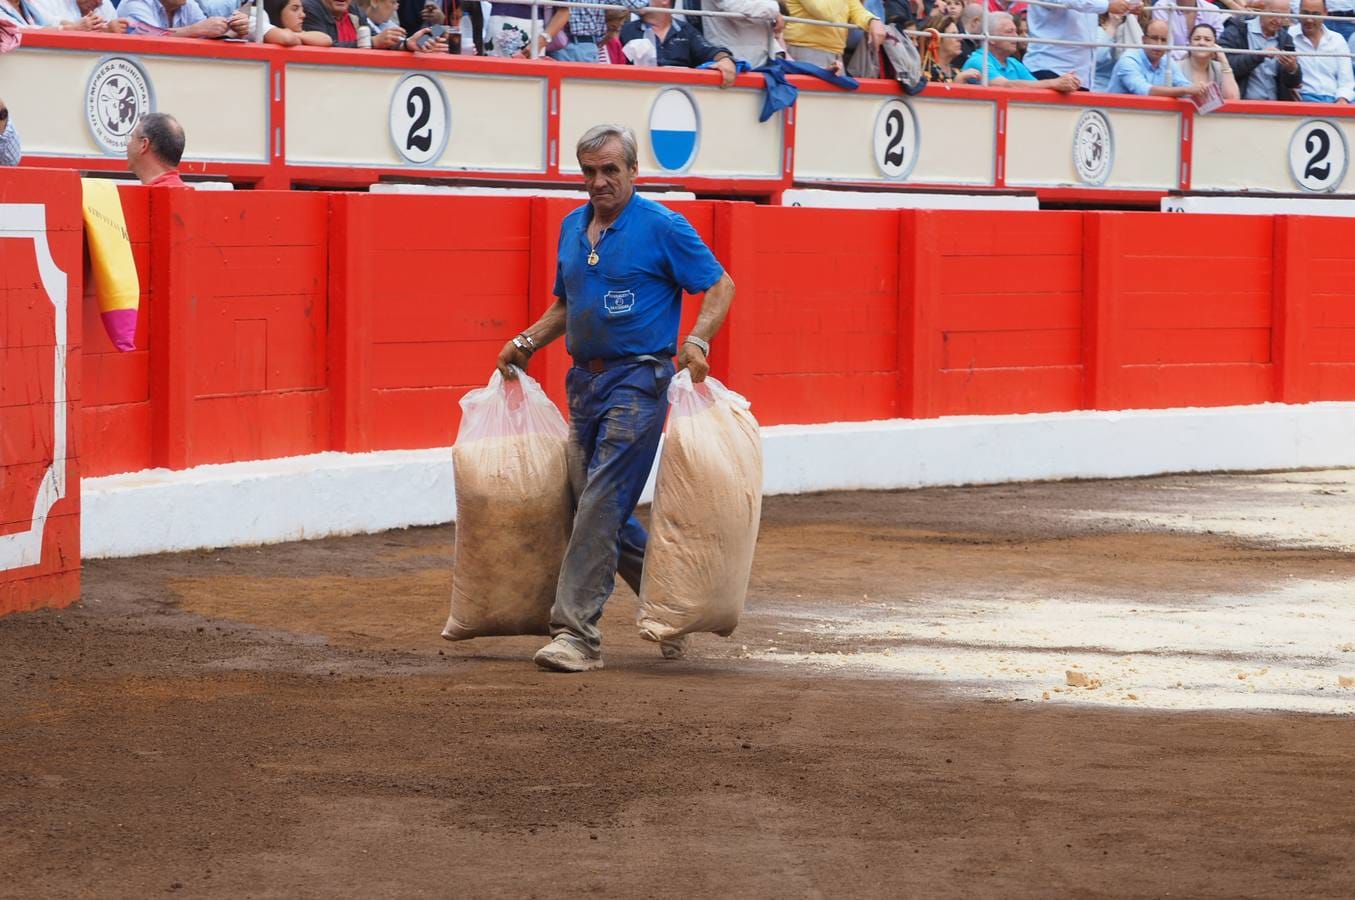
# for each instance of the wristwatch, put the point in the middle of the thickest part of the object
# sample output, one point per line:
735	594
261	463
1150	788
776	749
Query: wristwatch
698	343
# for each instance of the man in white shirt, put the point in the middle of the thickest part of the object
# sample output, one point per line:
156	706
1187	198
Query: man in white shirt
1326	79
58	13
748	39
1074	20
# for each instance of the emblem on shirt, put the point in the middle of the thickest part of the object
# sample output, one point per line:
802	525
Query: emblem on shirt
117	96
618	302
1318	156
1093	147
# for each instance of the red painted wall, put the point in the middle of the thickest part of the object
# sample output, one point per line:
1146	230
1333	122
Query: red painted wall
28	396
286	323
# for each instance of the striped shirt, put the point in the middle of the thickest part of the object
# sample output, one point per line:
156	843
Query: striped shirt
10	150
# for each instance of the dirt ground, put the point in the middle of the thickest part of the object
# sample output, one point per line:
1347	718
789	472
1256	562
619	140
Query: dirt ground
285	722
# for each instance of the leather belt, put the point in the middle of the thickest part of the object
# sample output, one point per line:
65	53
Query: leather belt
597	366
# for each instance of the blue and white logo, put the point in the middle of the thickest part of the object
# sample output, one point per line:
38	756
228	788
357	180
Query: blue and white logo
674	129
618	302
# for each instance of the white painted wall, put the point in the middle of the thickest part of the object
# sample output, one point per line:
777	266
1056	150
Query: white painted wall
335	493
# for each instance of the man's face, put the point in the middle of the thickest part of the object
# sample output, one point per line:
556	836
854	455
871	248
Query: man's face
1312	27
338	7
1274	18
607	178
1004	28
1155	40
135	146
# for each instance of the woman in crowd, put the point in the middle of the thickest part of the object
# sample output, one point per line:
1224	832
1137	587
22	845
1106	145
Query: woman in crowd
611	42
939	52
1116	28
1207	63
286	17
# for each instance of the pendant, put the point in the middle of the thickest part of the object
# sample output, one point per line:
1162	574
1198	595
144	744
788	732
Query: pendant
592	257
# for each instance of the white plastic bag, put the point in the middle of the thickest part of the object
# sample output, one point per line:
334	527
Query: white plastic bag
704	521
513	510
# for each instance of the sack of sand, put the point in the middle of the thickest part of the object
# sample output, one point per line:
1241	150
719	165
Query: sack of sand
513	510
704	521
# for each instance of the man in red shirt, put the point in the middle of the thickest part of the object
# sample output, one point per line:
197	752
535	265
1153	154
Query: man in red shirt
154	150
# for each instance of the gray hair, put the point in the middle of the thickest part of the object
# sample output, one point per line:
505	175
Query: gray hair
597	137
996	17
165	136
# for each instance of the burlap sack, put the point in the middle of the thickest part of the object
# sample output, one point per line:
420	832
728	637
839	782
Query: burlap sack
707	507
513	510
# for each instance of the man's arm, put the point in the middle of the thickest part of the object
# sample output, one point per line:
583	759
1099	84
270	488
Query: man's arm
1234	37
1345	80
541	332
714	309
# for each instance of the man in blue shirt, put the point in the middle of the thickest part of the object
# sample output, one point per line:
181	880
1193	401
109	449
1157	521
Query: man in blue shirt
180	18
1004	69
624	262
1151	70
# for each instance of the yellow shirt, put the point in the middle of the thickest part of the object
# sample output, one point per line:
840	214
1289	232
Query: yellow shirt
822	37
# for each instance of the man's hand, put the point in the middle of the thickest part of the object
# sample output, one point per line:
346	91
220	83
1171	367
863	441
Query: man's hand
436	45
1067	83
431	15
118	26
387	39
210	27
727	70
875	34
779	26
690	357
1289	62
238	23
1124	7
512	356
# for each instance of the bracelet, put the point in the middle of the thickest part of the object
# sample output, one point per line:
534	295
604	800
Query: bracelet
530	343
698	343
517	342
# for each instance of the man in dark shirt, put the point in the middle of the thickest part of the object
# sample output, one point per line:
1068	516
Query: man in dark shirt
677	44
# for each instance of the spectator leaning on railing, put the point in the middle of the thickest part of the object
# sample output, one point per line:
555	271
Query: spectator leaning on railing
180	18
11	151
941	65
746	38
1326	79
1004	69
822	45
340	22
288	18
77	15
1074	20
1181	23
1150	70
656	38
1264	77
1207	64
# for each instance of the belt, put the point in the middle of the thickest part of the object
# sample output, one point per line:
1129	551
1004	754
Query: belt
1343	14
605	365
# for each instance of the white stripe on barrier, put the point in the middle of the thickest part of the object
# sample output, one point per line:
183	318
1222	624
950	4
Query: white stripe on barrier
334	493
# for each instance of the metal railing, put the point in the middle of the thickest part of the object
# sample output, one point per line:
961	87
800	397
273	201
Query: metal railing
985	36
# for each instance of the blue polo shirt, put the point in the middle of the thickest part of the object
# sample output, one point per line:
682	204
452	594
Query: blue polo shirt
1012	70
629	303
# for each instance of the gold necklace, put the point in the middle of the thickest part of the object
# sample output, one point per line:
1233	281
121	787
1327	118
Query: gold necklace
593	247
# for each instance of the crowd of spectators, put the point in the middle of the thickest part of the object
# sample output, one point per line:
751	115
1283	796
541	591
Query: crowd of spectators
1067	45
1210	47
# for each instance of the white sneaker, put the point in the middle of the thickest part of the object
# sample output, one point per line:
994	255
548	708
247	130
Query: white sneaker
675	648
560	655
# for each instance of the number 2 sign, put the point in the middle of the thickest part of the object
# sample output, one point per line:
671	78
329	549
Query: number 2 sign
420	119
896	139
1318	155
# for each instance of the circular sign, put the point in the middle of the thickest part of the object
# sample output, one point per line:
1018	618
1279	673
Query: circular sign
1093	147
896	140
674	129
1318	156
117	96
420	119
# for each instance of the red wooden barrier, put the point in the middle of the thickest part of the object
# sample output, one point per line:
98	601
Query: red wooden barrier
40	281
286	323
239	325
116	417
